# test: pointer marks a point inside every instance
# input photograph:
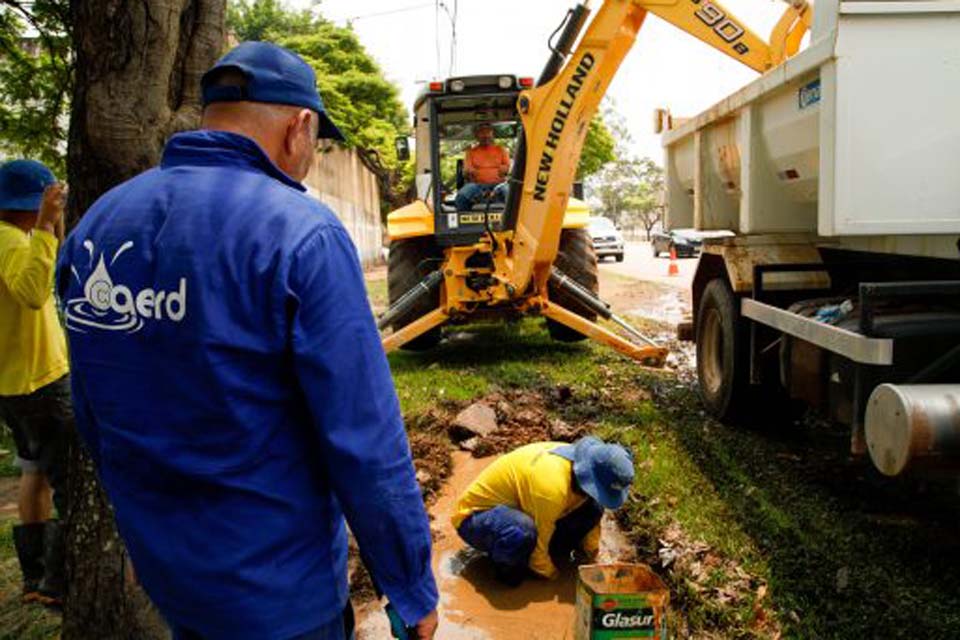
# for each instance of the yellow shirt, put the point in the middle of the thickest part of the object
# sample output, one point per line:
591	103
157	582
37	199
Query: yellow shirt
33	349
536	482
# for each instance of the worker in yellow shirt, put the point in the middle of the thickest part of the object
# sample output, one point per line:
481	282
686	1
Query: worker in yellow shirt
543	501
34	381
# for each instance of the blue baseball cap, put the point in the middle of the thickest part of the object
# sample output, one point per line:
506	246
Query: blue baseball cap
274	75
22	183
603	471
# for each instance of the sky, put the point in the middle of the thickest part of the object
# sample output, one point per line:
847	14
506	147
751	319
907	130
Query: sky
666	68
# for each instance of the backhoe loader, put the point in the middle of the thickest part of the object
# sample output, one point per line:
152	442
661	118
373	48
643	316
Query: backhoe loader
530	255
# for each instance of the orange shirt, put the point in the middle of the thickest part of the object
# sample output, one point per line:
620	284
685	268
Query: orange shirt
487	163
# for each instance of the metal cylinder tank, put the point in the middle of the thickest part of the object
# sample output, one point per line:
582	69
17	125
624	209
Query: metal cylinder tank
913	427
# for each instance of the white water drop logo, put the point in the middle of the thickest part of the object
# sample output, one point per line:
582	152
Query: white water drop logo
114	307
98	287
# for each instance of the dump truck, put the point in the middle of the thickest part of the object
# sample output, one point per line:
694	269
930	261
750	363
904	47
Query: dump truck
523	258
839	173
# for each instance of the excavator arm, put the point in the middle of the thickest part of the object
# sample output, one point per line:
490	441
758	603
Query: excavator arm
557	113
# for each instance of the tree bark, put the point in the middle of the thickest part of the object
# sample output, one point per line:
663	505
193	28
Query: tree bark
138	68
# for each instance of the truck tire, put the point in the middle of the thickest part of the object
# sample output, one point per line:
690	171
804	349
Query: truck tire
723	359
409	262
577	259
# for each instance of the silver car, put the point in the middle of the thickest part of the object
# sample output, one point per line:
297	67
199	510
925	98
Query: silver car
607	239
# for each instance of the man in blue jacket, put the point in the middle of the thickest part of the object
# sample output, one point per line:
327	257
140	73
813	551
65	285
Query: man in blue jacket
229	380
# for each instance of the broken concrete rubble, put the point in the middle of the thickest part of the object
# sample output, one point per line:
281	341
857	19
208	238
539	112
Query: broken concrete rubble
479	419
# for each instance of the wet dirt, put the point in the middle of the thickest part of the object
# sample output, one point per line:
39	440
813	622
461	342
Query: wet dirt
473	605
670	307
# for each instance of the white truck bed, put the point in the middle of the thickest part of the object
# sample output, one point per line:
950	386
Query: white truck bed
855	140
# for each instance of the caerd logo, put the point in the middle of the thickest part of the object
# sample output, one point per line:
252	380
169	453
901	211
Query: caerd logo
114	307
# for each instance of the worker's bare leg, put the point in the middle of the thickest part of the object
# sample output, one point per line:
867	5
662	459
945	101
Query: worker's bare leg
34	502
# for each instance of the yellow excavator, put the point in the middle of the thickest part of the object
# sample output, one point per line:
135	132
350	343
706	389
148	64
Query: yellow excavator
531	254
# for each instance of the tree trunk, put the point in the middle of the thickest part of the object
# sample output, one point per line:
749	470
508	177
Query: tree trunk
138	68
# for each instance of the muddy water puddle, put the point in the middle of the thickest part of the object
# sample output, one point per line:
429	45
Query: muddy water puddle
670	307
473	605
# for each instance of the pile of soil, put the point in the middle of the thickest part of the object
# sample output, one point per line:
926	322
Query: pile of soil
522	417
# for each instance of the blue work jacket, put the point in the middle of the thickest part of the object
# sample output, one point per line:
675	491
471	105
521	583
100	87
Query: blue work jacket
231	387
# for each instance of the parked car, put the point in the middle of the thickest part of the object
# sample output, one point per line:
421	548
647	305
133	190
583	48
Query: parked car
687	242
607	239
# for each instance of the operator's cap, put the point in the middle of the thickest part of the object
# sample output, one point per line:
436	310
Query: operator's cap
274	75
603	471
22	183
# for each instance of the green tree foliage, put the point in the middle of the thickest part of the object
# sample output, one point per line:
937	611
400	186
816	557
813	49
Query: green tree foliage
267	20
599	148
628	190
358	97
35	80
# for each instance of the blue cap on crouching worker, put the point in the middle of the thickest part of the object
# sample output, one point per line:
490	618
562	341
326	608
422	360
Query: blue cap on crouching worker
273	75
22	183
603	471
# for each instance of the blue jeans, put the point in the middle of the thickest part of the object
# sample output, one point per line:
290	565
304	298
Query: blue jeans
509	536
340	628
472	192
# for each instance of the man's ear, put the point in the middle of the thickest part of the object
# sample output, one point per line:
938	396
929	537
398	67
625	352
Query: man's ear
297	126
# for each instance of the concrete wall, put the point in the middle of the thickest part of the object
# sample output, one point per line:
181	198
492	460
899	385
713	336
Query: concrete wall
339	180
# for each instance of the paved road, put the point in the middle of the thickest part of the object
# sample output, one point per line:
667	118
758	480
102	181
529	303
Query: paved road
638	262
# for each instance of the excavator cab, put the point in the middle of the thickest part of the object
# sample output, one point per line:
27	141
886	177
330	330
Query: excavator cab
446	116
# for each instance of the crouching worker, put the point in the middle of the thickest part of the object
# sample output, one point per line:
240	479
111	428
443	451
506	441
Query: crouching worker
543	501
34	381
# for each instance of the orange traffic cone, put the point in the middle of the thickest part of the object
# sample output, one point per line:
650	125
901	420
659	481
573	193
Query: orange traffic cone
673	269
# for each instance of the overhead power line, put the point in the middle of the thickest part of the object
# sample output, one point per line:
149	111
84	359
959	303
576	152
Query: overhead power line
377	14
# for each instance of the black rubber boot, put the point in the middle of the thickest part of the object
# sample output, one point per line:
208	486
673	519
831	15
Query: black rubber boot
52	585
28	541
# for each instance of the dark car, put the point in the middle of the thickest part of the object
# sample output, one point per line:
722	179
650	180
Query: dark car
687	242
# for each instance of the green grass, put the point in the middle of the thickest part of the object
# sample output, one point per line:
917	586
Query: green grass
7	454
785	509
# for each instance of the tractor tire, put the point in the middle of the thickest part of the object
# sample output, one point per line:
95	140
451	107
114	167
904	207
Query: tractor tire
409	262
723	353
577	259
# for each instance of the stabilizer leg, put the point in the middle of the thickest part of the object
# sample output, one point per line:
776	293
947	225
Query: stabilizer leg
418	327
651	356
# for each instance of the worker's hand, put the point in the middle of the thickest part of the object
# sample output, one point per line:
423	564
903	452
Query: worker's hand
50	217
427	627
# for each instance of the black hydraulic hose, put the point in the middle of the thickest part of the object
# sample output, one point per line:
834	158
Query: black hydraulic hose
575	19
572	26
583	295
406	302
590	300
